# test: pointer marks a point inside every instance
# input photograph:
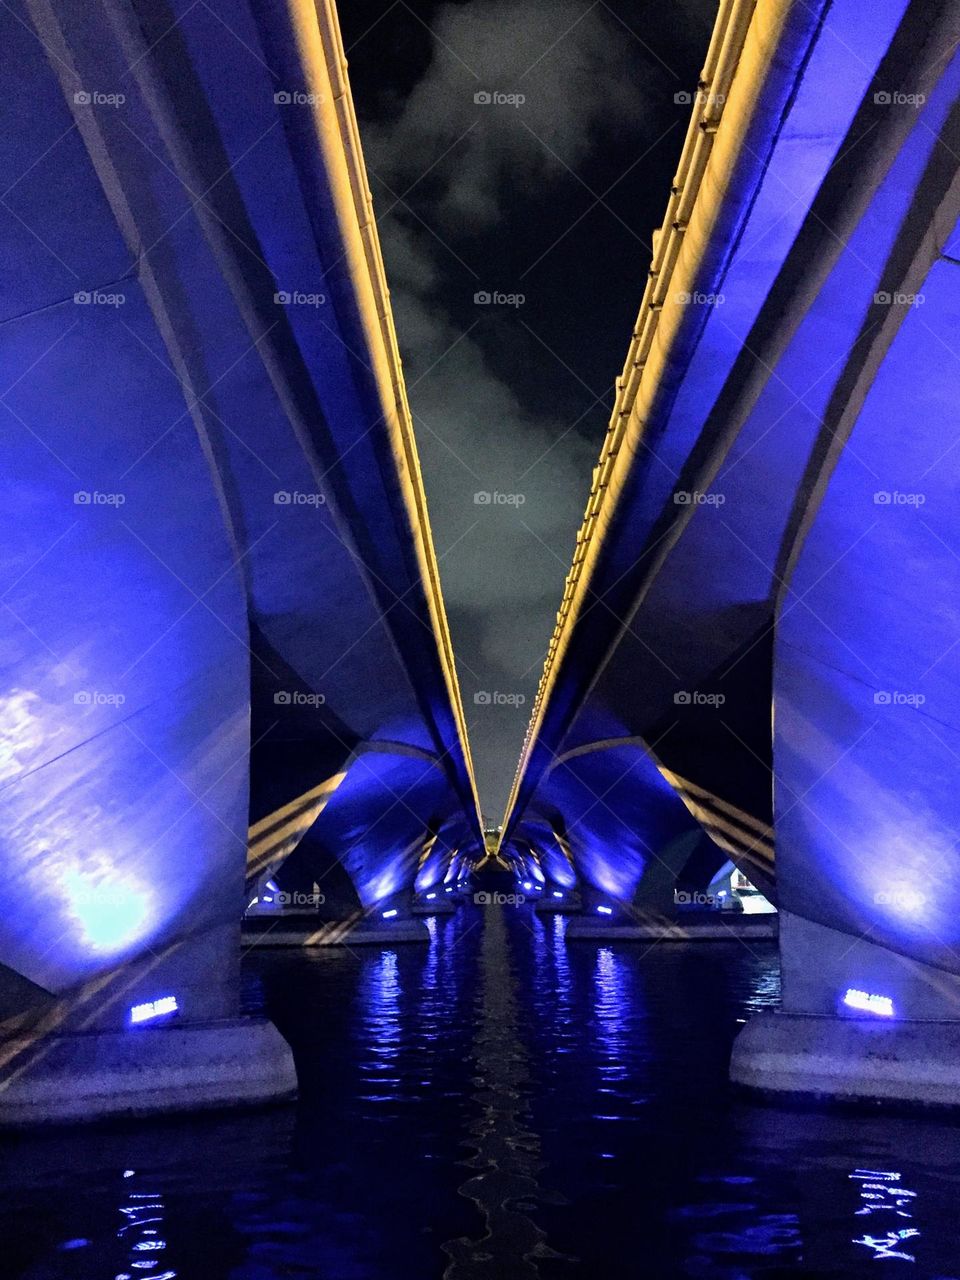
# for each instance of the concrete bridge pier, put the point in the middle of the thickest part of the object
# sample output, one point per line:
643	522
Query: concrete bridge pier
841	1033
221	600
162	1033
866	732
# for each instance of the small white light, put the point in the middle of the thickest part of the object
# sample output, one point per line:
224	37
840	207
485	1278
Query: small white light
557	893
605	911
154	1009
431	896
388	915
869	1003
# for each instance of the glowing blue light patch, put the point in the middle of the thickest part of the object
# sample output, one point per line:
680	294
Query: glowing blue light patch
112	910
605	911
448	889
557	893
527	885
388	915
431	896
868	1003
161	1008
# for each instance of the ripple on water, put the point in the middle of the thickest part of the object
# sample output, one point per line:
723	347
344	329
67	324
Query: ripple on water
496	1103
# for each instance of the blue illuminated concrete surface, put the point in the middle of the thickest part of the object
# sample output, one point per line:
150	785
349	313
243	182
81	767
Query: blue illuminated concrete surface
225	652
227	657
757	645
823	1044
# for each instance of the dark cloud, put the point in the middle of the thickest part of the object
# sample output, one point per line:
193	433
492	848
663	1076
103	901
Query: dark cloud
452	177
572	66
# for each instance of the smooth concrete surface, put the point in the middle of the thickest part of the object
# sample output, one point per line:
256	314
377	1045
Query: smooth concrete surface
156	756
723	930
335	934
145	1071
850	1059
818	964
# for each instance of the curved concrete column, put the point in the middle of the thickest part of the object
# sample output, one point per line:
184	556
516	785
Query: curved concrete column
214	542
866	678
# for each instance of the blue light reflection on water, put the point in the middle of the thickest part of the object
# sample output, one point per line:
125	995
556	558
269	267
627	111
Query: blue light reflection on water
645	1164
890	1208
142	1233
379	1001
662	1169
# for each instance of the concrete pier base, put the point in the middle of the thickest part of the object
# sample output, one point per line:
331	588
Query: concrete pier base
725	929
144	1071
849	1059
333	933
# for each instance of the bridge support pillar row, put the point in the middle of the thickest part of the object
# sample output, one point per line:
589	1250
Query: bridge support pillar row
859	1023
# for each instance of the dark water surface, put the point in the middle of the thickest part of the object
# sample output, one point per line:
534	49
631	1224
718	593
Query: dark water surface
497	1104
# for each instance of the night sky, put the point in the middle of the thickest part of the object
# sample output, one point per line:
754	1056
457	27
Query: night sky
551	200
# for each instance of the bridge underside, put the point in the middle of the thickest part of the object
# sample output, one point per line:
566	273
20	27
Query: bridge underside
225	654
771	560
